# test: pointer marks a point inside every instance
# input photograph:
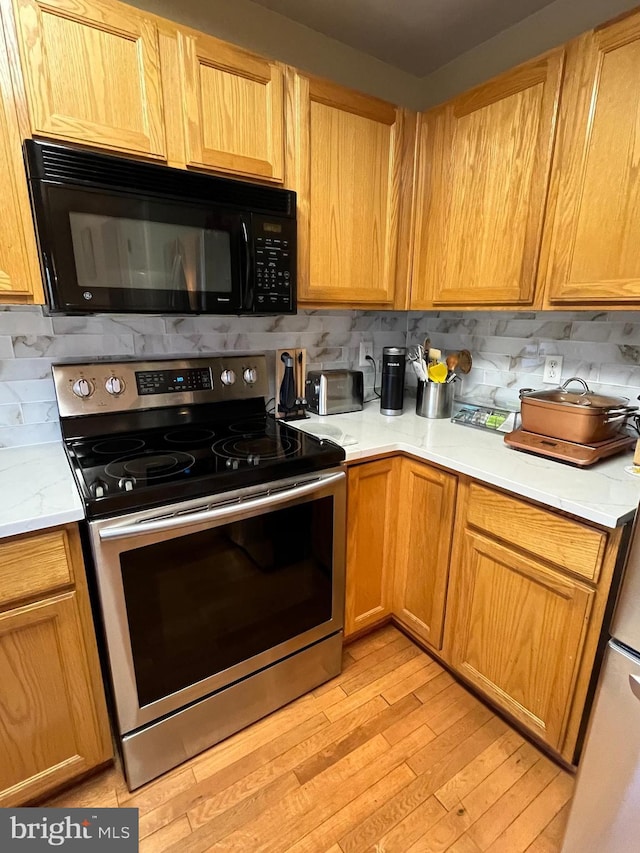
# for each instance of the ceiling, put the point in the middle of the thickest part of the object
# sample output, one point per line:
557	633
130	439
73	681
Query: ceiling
416	36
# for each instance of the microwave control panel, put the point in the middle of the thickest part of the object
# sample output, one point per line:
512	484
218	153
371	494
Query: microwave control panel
274	263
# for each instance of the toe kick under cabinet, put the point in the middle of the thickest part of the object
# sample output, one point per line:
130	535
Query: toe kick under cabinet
53	719
510	595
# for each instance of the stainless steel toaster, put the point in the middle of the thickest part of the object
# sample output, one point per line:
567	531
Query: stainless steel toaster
331	392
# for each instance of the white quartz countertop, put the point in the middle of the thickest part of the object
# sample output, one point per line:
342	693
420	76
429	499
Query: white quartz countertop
37	489
605	494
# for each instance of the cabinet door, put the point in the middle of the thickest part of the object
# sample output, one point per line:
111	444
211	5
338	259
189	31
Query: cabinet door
425	528
234	108
593	229
345	148
20	279
483	170
371	517
517	633
92	74
51	726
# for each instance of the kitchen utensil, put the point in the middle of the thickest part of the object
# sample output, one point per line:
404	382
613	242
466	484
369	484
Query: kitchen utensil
434	355
416	357
434	399
464	362
437	372
581	417
452	361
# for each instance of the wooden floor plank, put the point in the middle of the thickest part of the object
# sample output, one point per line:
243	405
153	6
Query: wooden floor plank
361	807
550	839
364	678
498	782
324	758
393	755
452	792
504	811
166	837
449	753
376	688
225	797
426	673
535	817
412	827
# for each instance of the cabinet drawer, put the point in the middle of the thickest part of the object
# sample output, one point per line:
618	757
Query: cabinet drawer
567	544
34	564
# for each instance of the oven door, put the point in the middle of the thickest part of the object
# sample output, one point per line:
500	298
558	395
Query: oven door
115	251
199	595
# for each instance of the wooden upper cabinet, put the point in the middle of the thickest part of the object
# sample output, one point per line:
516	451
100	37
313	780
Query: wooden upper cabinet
20	279
345	152
483	168
92	74
233	108
593	234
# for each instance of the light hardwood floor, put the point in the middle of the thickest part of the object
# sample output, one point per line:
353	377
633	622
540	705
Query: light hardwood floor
393	756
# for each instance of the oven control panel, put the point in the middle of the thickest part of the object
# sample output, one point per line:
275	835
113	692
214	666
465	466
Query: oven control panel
106	386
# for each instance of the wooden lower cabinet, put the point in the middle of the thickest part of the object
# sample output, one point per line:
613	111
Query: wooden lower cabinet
523	619
372	511
519	632
53	719
510	595
424	531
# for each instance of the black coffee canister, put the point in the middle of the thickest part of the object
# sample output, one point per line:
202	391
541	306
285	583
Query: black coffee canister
392	392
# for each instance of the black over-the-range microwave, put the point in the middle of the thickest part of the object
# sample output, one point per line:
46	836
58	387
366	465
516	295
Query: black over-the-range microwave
117	235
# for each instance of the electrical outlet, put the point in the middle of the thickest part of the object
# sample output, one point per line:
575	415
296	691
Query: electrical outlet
366	348
552	369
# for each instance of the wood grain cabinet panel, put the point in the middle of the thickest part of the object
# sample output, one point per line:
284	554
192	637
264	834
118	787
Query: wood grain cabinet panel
425	529
20	279
483	168
371	518
519	632
53	719
564	542
234	108
34	564
593	229
92	74
345	153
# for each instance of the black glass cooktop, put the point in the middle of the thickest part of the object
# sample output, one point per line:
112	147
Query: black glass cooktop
160	465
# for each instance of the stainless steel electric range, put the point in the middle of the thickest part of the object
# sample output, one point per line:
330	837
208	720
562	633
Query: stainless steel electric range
215	539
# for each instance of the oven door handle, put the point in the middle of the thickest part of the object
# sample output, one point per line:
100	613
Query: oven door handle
226	510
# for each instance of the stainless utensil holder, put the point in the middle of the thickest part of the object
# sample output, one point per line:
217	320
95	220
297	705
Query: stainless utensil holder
435	399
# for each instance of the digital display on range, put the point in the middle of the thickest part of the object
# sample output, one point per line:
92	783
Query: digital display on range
167	381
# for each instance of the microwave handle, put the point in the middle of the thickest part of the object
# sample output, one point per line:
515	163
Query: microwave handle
247	291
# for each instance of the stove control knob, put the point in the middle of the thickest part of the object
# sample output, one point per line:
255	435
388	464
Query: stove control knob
98	488
232	463
126	483
114	386
250	375
227	377
254	459
82	388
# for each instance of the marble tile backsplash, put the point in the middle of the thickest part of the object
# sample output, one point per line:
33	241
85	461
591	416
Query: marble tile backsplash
30	341
508	350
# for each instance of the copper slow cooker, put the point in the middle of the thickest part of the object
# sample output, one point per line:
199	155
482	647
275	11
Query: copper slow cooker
578	416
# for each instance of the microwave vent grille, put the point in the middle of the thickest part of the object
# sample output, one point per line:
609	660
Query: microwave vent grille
70	166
